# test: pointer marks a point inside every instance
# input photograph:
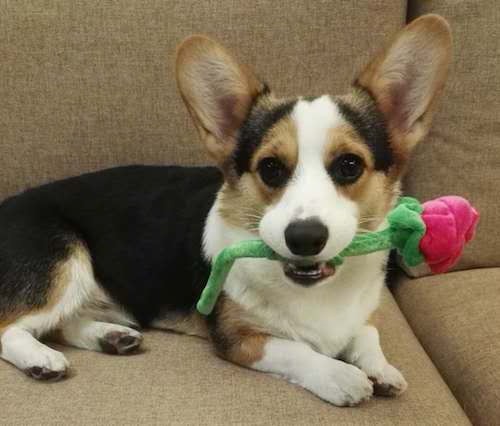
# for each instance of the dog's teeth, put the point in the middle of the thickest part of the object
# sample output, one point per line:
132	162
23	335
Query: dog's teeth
309	273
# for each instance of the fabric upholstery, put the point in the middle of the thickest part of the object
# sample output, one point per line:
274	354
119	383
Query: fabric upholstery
89	84
456	317
179	381
462	153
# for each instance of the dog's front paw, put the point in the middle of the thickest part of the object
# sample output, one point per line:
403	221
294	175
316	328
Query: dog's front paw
339	383
388	381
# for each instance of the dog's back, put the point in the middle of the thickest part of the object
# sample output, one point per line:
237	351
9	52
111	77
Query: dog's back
140	227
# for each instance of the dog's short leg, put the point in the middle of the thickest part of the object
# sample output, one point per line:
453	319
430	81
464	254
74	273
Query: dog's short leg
365	352
100	336
332	380
20	348
71	286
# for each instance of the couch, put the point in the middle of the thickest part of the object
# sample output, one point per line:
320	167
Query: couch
90	84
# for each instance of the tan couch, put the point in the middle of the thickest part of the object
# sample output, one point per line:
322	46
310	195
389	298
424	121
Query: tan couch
89	84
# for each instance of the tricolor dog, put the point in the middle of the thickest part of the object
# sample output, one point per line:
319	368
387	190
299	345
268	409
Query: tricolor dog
90	259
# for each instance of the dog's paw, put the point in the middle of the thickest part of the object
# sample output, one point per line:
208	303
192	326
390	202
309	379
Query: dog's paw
121	342
388	381
46	364
341	384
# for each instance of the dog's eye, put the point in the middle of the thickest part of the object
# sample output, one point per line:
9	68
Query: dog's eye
273	172
346	169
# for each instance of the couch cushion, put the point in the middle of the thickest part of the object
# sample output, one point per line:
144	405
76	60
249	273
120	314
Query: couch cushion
86	85
456	317
178	380
462	153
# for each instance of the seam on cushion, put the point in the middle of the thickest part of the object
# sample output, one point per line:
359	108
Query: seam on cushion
405	318
411	10
431	361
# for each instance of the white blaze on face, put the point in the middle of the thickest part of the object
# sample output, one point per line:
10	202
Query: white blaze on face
311	191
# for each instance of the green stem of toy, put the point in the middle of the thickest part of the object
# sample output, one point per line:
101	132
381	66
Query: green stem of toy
406	229
361	244
222	265
368	243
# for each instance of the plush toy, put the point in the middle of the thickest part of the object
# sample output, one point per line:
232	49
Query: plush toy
434	232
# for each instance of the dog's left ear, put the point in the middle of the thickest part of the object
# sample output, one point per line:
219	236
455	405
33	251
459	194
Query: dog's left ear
406	79
217	91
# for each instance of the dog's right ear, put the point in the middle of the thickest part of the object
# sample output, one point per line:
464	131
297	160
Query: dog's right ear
217	91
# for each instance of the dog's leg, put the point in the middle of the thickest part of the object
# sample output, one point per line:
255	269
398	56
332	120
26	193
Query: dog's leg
22	349
72	285
364	351
100	336
332	380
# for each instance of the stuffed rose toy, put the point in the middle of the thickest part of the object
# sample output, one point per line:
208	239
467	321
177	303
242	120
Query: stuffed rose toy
434	232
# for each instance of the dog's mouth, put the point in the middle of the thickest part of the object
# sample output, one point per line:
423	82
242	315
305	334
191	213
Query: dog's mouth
308	274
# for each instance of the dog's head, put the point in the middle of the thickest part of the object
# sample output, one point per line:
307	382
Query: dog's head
307	174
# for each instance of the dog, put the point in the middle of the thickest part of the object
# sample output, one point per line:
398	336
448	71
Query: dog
89	260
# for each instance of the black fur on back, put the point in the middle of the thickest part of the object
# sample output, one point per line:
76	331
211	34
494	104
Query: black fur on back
142	225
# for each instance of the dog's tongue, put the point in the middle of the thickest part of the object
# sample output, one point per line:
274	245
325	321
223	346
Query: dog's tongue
326	270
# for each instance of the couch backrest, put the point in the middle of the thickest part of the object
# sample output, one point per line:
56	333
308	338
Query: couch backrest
86	85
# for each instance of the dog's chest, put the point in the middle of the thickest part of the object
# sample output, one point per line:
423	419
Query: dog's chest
326	317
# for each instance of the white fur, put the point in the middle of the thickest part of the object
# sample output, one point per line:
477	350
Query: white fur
85	333
20	348
317	323
365	352
330	379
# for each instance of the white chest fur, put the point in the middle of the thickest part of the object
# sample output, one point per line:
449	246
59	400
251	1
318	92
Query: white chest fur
326	316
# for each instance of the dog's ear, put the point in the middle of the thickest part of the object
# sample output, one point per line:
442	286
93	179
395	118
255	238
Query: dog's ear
406	78
217	91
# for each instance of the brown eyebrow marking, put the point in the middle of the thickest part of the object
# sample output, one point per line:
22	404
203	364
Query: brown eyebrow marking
266	115
344	139
281	142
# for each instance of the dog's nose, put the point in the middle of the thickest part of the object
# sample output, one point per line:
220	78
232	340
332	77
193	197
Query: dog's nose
306	237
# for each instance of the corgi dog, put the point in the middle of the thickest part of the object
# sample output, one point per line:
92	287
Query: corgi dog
89	260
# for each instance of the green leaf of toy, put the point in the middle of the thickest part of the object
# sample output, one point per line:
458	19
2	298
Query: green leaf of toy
407	229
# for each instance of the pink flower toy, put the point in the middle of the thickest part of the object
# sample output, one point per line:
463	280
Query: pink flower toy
450	223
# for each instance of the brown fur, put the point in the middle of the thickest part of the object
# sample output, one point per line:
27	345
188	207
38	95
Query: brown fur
56	336
280	142
193	324
244	200
60	278
61	274
242	204
344	139
9	318
234	336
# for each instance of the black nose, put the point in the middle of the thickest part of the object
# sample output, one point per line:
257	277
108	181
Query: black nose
306	237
